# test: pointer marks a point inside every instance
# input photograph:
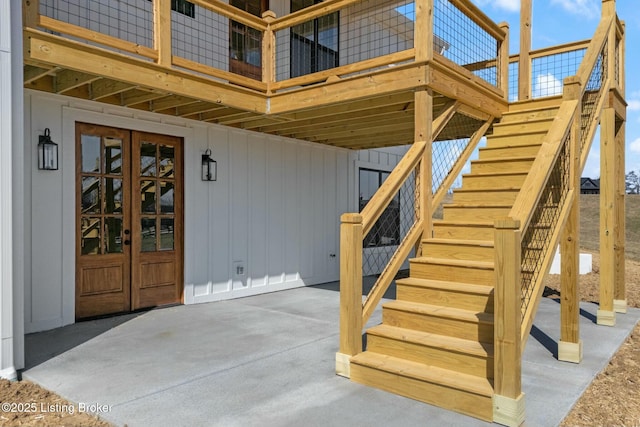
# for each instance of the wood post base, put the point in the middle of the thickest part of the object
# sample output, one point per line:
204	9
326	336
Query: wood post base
343	365
508	411
570	351
620	305
606	318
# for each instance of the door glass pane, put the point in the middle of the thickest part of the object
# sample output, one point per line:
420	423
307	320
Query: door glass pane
113	196
113	235
147	159
113	156
166	161
90	153
148	237
90	240
148	196
90	195
166	197
166	234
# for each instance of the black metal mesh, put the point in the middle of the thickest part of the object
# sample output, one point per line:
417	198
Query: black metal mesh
381	243
204	39
514	75
536	240
451	142
130	20
548	72
617	62
361	31
464	42
592	95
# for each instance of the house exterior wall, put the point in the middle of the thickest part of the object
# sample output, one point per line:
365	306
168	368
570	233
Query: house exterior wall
274	210
11	331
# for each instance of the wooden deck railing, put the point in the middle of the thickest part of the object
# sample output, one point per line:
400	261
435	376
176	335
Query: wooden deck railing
160	42
543	204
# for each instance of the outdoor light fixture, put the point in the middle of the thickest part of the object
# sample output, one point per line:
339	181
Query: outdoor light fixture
47	152
209	167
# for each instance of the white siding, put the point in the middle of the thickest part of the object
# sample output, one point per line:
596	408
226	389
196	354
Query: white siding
274	209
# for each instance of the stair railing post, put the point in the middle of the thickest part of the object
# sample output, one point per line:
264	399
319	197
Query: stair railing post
570	345
268	50
524	63
508	399
503	61
350	291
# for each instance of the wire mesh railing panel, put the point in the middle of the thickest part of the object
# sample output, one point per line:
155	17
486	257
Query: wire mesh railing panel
460	39
548	72
592	95
536	240
449	146
203	38
130	20
361	31
617	63
514	76
382	241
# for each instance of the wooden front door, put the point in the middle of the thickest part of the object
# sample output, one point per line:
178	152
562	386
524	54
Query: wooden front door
129	220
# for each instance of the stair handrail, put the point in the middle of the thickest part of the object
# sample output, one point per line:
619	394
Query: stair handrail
538	214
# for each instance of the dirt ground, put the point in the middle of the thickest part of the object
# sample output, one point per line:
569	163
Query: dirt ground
611	400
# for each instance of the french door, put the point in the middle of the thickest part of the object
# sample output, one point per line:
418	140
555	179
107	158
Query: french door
129	210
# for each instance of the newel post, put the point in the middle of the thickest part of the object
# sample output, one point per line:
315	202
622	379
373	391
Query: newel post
503	61
524	64
269	49
508	399
350	291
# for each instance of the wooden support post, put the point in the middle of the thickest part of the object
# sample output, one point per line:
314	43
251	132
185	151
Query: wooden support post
503	60
350	291
30	13
608	216
423	132
423	30
570	345
508	400
619	291
524	64
608	8
269	51
162	31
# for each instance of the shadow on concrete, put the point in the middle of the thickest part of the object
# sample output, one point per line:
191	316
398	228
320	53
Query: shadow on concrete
547	342
42	346
367	284
589	316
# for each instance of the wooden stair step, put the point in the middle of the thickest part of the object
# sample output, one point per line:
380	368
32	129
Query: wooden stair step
508	151
454	322
502	195
463	393
494	180
478	250
479	230
465	296
536	124
502	164
459	355
515	139
471	211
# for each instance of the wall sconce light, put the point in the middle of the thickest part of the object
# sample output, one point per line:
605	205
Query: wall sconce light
209	167
47	152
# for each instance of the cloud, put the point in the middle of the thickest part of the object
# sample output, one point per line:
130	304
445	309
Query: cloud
634	146
586	8
546	85
508	5
634	104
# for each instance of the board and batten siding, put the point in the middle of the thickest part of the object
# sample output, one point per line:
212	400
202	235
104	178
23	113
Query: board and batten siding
270	222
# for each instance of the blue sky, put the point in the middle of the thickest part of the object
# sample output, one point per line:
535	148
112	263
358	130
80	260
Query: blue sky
561	21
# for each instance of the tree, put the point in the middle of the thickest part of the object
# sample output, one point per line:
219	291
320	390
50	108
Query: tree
632	183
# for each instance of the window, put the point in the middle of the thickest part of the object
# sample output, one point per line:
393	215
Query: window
314	44
246	43
386	231
184	7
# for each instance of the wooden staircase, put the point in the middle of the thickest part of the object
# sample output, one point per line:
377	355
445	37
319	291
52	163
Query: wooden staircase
435	343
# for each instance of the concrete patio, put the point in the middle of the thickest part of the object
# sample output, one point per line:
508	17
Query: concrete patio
269	361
